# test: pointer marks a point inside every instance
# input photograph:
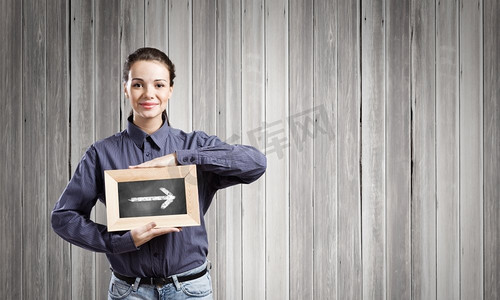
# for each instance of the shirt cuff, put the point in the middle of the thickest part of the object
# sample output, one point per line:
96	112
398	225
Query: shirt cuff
123	243
187	157
197	157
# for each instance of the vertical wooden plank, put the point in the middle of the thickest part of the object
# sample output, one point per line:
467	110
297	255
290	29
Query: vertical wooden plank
300	36
132	38
398	156
491	150
276	140
423	209
348	179
325	149
471	151
253	116
11	152
156	24
181	53
204	99
57	130
447	147
204	71
373	159
34	151
229	260
82	126
107	105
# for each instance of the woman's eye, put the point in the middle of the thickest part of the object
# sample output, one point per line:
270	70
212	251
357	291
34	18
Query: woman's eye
160	85
137	85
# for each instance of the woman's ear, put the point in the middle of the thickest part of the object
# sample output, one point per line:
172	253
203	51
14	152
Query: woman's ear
125	89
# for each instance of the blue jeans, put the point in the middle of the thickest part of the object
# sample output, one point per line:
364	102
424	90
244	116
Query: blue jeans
200	288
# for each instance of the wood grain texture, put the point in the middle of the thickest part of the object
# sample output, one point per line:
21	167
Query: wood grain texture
398	155
204	100
423	207
57	132
34	229
204	62
348	176
471	151
447	155
301	148
82	127
107	105
340	213
276	140
11	152
325	146
156	24
373	160
131	38
181	53
491	150
252	118
229	251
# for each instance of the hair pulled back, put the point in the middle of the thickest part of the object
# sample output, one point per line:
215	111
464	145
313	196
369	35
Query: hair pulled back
148	54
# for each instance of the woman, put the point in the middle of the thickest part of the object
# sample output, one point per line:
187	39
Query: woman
150	262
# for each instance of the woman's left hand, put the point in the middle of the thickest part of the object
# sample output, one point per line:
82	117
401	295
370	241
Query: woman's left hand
163	161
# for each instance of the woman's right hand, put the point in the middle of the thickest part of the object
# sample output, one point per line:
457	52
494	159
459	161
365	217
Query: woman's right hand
144	234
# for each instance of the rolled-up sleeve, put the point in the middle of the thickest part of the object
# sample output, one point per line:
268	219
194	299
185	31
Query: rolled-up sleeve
71	215
232	164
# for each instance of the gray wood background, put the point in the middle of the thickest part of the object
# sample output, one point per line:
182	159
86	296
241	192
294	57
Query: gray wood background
380	120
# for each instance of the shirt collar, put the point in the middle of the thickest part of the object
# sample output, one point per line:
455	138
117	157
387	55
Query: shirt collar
138	136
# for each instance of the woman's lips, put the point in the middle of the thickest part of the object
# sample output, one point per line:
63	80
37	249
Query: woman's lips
148	105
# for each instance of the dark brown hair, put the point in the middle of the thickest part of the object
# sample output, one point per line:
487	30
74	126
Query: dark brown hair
150	54
147	53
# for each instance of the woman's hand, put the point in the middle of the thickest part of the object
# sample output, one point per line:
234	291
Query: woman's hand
163	161
145	233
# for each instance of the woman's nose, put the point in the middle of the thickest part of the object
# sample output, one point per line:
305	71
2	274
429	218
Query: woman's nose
148	92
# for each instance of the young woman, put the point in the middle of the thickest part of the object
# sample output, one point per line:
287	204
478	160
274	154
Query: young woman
150	262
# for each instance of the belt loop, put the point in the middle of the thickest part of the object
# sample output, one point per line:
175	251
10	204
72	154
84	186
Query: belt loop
176	282
135	286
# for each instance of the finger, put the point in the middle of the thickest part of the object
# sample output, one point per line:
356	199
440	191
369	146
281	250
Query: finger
150	226
146	230
149	164
143	165
164	230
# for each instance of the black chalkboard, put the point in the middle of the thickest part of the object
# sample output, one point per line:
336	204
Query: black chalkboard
152	198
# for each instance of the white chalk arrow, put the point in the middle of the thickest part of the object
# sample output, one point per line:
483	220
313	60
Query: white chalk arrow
168	198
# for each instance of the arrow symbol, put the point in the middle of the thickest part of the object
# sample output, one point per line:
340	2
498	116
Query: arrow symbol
168	198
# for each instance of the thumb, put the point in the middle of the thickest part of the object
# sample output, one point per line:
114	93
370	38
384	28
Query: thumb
150	226
146	229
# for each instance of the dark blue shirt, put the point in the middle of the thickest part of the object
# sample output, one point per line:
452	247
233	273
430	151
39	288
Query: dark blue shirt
219	165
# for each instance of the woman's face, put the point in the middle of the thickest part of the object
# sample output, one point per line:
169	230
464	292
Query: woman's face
148	90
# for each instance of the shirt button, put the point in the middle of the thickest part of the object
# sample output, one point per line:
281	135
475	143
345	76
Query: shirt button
185	159
147	154
192	159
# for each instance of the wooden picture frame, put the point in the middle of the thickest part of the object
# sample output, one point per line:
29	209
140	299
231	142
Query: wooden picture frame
168	196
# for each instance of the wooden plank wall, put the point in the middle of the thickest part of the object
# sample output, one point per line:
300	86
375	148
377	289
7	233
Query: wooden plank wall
447	151
491	144
380	120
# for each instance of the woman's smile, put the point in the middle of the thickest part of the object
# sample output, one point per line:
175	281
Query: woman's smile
149	104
